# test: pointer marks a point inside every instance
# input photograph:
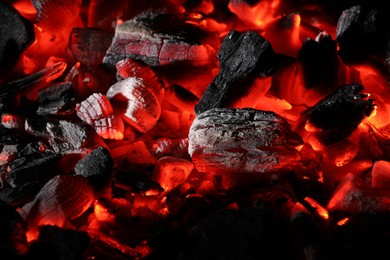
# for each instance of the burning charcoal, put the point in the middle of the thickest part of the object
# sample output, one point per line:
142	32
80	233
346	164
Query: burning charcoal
136	102
353	195
320	63
96	166
21	194
95	107
54	16
57	99
13	233
29	86
248	233
242	56
170	172
17	33
128	68
29	169
162	39
339	114
242	140
56	243
61	199
363	35
103	14
88	45
381	175
8	152
168	147
110	127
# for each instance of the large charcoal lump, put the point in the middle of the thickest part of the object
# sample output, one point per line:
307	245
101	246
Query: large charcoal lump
242	140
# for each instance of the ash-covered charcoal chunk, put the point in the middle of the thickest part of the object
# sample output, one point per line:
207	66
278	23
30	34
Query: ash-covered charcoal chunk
162	39
242	57
242	140
96	166
338	114
13	233
57	99
89	45
320	63
362	34
17	33
58	243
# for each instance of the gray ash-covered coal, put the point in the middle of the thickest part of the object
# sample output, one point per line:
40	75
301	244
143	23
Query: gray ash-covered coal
242	141
163	39
57	99
242	57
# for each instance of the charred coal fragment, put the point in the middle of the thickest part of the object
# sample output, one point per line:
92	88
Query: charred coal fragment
13	233
56	243
17	33
162	39
21	194
96	166
339	114
57	99
242	140
362	35
30	169
242	57
89	45
320	63
248	233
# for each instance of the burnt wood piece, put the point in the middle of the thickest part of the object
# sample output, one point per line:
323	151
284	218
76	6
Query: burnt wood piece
242	57
57	243
89	45
57	99
17	33
320	63
32	168
363	35
20	195
242	141
247	233
162	39
96	166
12	233
339	114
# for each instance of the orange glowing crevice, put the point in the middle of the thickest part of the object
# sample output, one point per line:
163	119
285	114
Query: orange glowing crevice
319	209
343	221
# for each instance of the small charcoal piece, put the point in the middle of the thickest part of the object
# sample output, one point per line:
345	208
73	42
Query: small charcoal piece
338	114
57	243
247	233
162	39
57	99
12	233
54	16
96	166
28	169
320	63
89	45
242	140
62	199
242	57
362	35
17	33
21	194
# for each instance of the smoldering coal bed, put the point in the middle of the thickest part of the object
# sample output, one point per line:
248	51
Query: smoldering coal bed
194	129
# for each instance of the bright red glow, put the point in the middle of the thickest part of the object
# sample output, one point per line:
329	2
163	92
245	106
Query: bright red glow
320	210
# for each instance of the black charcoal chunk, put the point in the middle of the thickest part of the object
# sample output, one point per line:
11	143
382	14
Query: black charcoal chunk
56	243
340	113
12	233
57	99
16	34
320	63
20	195
248	233
242	57
96	166
30	169
363	35
89	45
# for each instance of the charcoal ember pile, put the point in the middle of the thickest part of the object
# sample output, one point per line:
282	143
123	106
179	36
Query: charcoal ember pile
194	129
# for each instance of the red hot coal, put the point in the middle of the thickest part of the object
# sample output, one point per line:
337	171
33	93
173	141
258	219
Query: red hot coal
194	129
